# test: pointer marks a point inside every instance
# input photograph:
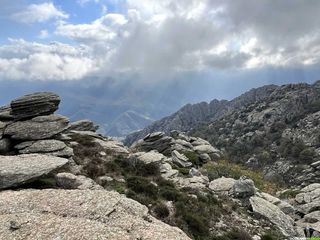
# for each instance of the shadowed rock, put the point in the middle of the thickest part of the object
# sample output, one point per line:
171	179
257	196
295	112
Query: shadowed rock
16	170
36	104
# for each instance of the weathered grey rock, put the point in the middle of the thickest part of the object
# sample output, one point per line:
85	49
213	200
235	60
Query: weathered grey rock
77	214
205	157
315	164
66	152
113	147
193	172
199	141
162	145
274	215
16	170
167	172
104	180
206	149
309	207
36	104
83	125
198	183
148	157
244	187
285	207
49	147
5	113
309	193
153	136
42	127
5	145
70	181
180	159
222	185
312	217
2	127
41	146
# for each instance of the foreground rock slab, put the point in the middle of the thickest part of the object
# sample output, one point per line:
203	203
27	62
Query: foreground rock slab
77	214
16	170
274	215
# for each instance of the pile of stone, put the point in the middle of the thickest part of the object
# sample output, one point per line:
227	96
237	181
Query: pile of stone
308	206
171	153
29	126
177	141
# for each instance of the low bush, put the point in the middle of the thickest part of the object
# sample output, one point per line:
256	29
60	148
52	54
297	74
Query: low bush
142	185
225	168
161	210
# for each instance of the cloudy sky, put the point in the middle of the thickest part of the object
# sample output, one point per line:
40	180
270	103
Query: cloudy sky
74	39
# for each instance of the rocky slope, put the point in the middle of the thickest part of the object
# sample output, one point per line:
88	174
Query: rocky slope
63	180
272	128
192	116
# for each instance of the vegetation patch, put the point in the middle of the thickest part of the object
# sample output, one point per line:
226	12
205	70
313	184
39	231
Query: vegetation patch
225	168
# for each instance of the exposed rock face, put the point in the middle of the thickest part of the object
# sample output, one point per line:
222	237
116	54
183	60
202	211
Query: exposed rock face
42	127
83	125
114	147
180	159
16	170
5	145
222	185
77	214
50	145
274	214
5	113
244	187
36	104
70	181
148	157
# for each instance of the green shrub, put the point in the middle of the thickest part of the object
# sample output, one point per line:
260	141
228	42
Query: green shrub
84	140
169	194
161	210
142	185
193	157
224	168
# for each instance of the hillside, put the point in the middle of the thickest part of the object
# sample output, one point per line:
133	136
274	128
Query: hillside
272	128
63	180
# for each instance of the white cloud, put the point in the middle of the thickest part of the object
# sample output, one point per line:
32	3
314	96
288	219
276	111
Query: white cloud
39	13
34	61
172	36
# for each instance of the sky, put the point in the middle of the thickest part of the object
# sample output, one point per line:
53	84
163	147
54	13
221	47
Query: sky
226	46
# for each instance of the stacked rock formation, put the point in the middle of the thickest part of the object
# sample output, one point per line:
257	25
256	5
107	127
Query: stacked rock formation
36	144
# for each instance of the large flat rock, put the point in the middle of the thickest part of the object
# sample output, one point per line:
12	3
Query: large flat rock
37	128
36	104
78	214
16	170
274	215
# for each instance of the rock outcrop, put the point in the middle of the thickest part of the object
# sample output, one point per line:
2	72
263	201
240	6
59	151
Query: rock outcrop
16	170
36	104
78	214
